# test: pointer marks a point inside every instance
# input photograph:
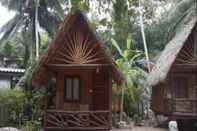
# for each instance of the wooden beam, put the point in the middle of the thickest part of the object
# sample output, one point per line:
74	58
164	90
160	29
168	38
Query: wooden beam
81	66
110	98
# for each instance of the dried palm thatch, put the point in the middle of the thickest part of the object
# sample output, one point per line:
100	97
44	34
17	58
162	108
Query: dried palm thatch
75	44
172	51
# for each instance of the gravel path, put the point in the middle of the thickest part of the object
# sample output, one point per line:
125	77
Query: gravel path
141	129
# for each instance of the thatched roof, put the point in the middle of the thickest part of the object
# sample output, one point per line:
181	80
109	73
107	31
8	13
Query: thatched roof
168	56
75	44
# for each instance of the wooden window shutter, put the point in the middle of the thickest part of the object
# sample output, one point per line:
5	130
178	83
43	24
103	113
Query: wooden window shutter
180	85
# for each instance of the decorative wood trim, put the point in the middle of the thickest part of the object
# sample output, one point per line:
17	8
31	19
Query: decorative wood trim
79	48
78	65
187	55
67	120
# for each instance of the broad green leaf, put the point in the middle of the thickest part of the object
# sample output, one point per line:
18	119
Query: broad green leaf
129	42
115	44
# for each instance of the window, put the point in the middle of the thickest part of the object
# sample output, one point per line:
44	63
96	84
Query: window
72	89
181	87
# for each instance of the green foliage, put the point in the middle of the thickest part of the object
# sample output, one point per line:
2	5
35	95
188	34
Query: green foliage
132	99
156	36
134	76
34	106
8	50
44	38
24	108
12	49
14	101
31	126
134	86
79	5
121	21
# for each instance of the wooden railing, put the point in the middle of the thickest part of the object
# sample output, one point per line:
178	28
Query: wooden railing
181	106
76	120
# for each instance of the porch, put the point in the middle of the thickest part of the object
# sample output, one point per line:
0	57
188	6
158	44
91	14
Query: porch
77	120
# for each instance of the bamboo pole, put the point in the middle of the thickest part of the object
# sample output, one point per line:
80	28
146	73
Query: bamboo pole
36	29
143	35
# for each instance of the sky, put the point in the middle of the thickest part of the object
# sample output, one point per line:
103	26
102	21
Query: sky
5	15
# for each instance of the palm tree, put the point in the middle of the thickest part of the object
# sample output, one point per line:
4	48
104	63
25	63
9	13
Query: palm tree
30	15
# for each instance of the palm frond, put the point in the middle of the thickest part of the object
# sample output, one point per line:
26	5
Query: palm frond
11	27
15	5
180	14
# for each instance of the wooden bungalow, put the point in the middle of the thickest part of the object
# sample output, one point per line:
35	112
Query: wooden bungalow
81	69
174	77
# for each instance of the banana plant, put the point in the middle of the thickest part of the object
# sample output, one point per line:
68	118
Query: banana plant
132	91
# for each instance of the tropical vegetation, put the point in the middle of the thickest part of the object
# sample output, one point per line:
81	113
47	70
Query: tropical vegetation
134	30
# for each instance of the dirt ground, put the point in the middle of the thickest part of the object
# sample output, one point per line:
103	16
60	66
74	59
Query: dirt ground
133	129
141	129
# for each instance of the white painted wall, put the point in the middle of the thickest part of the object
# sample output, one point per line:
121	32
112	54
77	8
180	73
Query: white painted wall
5	83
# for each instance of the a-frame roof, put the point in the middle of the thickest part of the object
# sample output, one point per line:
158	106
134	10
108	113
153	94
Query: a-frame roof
170	53
75	44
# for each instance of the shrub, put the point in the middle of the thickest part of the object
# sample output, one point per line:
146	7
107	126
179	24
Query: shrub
24	109
13	101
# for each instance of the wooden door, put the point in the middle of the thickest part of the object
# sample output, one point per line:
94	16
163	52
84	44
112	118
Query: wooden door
100	90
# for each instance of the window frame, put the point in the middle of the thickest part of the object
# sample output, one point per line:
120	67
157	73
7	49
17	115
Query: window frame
72	100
